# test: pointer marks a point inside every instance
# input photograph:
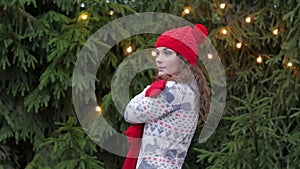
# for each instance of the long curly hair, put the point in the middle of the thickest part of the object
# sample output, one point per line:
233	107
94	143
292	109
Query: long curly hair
203	92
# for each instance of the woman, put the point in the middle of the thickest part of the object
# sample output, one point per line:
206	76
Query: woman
167	112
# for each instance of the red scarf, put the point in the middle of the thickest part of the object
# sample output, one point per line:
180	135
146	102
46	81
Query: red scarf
136	131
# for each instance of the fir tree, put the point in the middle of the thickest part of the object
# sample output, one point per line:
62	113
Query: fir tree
40	42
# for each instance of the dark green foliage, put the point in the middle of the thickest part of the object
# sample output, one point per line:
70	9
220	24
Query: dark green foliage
41	40
68	148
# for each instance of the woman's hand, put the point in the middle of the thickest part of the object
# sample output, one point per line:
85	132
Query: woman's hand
155	88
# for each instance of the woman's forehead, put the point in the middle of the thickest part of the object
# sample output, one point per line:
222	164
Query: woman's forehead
164	48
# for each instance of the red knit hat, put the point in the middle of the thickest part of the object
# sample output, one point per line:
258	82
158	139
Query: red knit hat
184	41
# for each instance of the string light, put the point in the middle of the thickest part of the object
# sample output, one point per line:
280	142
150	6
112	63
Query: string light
187	10
153	53
84	16
222	5
111	12
82	5
209	56
259	59
275	31
99	109
129	49
224	31
239	45
289	64
248	19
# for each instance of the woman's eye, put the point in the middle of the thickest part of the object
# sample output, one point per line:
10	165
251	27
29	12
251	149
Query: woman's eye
168	53
156	53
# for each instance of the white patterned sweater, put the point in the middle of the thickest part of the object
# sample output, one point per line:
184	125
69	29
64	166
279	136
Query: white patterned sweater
170	123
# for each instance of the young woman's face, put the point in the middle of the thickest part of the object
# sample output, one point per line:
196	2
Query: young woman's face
167	61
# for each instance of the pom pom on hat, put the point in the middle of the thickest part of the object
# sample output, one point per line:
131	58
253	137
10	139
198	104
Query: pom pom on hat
200	32
184	41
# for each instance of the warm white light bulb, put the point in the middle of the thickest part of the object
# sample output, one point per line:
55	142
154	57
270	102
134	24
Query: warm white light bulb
187	11
259	59
129	49
290	64
153	53
111	12
98	109
275	31
209	56
84	16
248	19
82	5
222	5
224	31
238	45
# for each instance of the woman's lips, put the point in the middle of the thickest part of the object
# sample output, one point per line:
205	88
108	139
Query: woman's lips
160	68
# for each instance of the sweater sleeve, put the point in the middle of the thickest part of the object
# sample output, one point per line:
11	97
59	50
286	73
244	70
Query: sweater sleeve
143	109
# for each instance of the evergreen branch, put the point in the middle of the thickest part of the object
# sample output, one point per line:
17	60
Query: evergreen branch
27	15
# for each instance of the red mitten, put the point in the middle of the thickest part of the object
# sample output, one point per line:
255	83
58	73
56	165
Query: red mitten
155	88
